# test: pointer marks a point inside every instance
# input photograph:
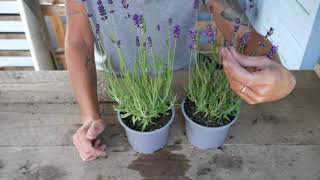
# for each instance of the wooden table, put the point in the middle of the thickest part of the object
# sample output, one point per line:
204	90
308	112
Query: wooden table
38	116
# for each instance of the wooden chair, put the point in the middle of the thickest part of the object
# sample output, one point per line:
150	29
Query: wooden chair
31	40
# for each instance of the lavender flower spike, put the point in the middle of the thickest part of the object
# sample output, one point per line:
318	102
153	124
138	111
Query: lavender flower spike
251	4
272	52
149	41
110	1
137	41
158	27
237	24
170	21
97	29
125	4
196	4
138	20
269	33
176	31
244	40
193	36
211	34
118	43
102	10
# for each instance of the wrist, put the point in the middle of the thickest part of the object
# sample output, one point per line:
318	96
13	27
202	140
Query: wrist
91	117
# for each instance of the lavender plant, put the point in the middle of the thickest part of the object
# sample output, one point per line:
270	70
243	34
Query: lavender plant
208	93
143	93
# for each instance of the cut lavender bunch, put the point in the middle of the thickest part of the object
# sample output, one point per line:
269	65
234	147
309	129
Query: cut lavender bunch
102	10
176	31
272	52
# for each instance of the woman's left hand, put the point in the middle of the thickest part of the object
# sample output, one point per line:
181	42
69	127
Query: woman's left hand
269	81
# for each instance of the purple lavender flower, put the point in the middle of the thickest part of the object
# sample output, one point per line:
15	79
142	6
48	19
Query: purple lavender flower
251	4
89	15
111	11
110	1
211	9
236	24
97	28
125	4
272	52
138	20
137	41
261	45
158	27
149	41
170	21
145	45
269	32
176	31
228	43
193	35
196	4
211	34
244	40
118	43
102	10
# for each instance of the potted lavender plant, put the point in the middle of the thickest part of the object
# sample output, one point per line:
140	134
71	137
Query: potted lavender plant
211	107
145	102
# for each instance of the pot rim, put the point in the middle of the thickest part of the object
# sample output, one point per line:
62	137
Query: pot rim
205	127
150	132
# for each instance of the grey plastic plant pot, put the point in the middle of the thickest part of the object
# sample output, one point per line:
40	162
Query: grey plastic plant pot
205	137
148	142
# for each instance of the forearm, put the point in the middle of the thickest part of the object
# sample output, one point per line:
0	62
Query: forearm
82	73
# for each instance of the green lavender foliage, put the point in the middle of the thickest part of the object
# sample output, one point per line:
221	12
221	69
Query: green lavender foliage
144	93
209	89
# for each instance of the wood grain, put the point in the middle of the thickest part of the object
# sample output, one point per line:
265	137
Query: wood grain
272	141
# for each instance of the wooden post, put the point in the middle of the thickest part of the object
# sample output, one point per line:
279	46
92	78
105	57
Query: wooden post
36	34
317	69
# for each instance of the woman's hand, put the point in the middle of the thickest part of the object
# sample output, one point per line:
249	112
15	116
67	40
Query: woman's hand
256	79
86	140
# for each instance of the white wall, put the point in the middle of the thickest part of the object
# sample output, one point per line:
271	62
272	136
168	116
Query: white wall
293	21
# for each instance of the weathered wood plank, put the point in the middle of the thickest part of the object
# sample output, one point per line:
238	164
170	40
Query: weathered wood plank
273	123
232	163
59	30
10	17
14	53
43	86
12	35
53	10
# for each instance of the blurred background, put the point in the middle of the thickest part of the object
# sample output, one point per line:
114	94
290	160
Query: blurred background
296	24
